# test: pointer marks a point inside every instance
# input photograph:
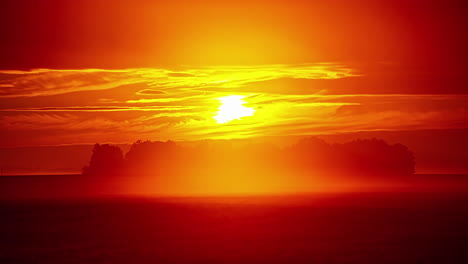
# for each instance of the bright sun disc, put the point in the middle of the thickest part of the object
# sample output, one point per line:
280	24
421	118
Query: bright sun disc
232	107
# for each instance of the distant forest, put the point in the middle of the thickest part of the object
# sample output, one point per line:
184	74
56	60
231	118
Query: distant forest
369	157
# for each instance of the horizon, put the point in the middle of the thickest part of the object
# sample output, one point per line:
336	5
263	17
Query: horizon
427	162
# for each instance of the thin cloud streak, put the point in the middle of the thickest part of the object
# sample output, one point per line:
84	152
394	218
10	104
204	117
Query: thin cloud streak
100	109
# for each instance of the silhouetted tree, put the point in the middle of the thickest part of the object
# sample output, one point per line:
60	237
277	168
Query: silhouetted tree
375	156
106	160
146	157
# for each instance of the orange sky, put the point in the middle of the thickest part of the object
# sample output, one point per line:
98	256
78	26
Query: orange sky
155	69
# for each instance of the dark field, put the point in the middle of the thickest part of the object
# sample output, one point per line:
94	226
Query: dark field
424	227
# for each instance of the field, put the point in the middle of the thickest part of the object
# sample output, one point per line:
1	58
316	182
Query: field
392	227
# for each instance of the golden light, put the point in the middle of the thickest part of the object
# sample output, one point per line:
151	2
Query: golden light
231	108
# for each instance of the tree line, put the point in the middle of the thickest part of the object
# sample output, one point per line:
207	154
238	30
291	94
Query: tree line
366	157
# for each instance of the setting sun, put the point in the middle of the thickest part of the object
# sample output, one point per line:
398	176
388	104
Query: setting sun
231	108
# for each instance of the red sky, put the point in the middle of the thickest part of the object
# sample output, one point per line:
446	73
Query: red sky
134	34
91	71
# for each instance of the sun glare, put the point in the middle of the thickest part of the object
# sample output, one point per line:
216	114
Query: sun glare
231	108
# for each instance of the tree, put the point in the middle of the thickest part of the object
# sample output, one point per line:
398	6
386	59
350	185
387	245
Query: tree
106	160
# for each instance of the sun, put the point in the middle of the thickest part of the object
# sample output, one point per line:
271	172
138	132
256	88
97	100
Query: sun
231	108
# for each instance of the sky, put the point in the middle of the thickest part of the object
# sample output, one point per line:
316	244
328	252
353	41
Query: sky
79	72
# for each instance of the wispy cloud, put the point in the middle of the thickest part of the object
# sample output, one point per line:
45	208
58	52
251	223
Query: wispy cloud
43	82
85	106
100	109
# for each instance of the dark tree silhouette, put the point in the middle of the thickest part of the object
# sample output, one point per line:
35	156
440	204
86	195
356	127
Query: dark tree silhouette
375	156
369	157
107	160
146	157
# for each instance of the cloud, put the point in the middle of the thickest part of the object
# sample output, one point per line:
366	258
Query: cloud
53	82
150	92
160	104
45	82
275	115
180	74
99	109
